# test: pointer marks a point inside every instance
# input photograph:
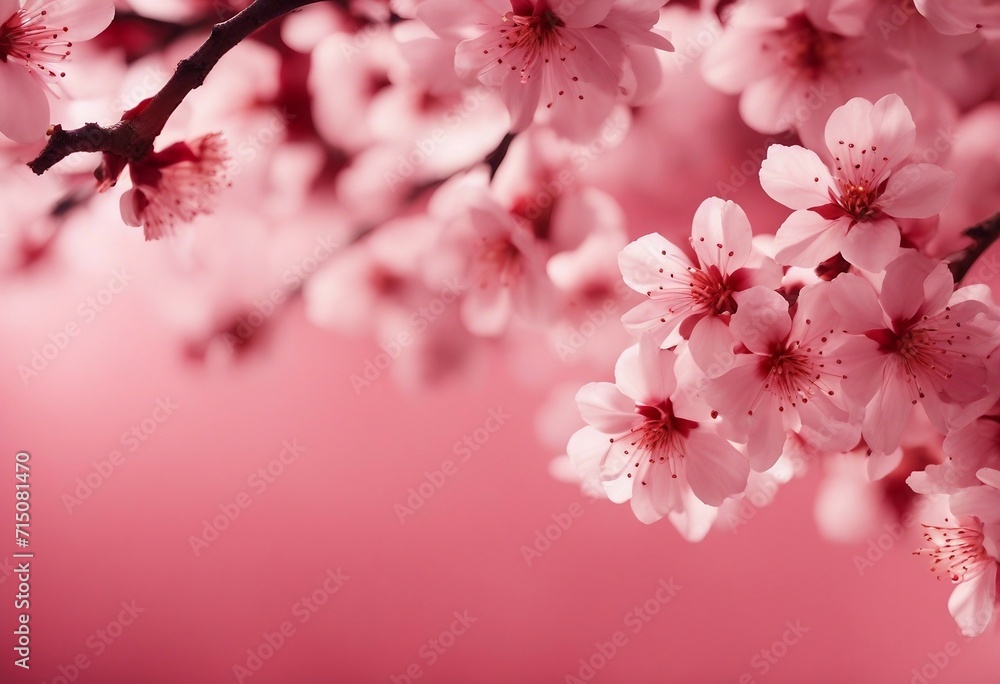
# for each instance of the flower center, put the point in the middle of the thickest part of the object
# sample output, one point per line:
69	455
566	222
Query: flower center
791	376
532	40
958	552
921	350
858	200
807	50
25	37
659	439
712	289
499	262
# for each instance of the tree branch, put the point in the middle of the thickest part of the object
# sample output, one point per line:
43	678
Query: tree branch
983	234
133	138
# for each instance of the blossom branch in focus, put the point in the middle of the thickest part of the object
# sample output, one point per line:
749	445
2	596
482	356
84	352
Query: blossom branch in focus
132	139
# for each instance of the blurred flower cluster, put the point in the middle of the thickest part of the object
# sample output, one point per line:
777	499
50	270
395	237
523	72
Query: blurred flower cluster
752	214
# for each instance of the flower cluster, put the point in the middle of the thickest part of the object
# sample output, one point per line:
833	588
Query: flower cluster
521	184
741	357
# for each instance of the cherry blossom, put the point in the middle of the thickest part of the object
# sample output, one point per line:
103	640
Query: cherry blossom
654	449
931	346
967	450
790	60
175	184
790	377
36	40
694	299
495	254
564	62
854	208
965	550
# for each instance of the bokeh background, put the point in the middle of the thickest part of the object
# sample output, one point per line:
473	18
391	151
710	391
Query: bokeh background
334	508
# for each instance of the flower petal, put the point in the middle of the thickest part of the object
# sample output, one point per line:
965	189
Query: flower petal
893	129
868	139
733	394
645	373
880	465
655	494
721	234
871	245
856	301
917	191
83	19
652	317
807	239
694	519
761	319
796	177
888	411
972	602
711	345
903	286
652	263
714	468
521	100
849	123
766	437
24	107
603	406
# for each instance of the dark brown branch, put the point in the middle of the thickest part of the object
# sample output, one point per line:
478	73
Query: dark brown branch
983	234
133	139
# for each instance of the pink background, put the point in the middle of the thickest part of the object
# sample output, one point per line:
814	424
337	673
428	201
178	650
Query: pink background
333	508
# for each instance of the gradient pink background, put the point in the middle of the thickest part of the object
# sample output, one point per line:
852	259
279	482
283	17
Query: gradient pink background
333	508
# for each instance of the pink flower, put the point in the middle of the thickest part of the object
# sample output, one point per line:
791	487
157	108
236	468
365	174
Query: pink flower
966	550
853	210
931	346
651	445
36	39
790	377
494	253
175	184
563	61
688	300
790	59
968	450
956	17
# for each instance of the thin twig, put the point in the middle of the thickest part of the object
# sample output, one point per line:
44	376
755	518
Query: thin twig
133	139
983	234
